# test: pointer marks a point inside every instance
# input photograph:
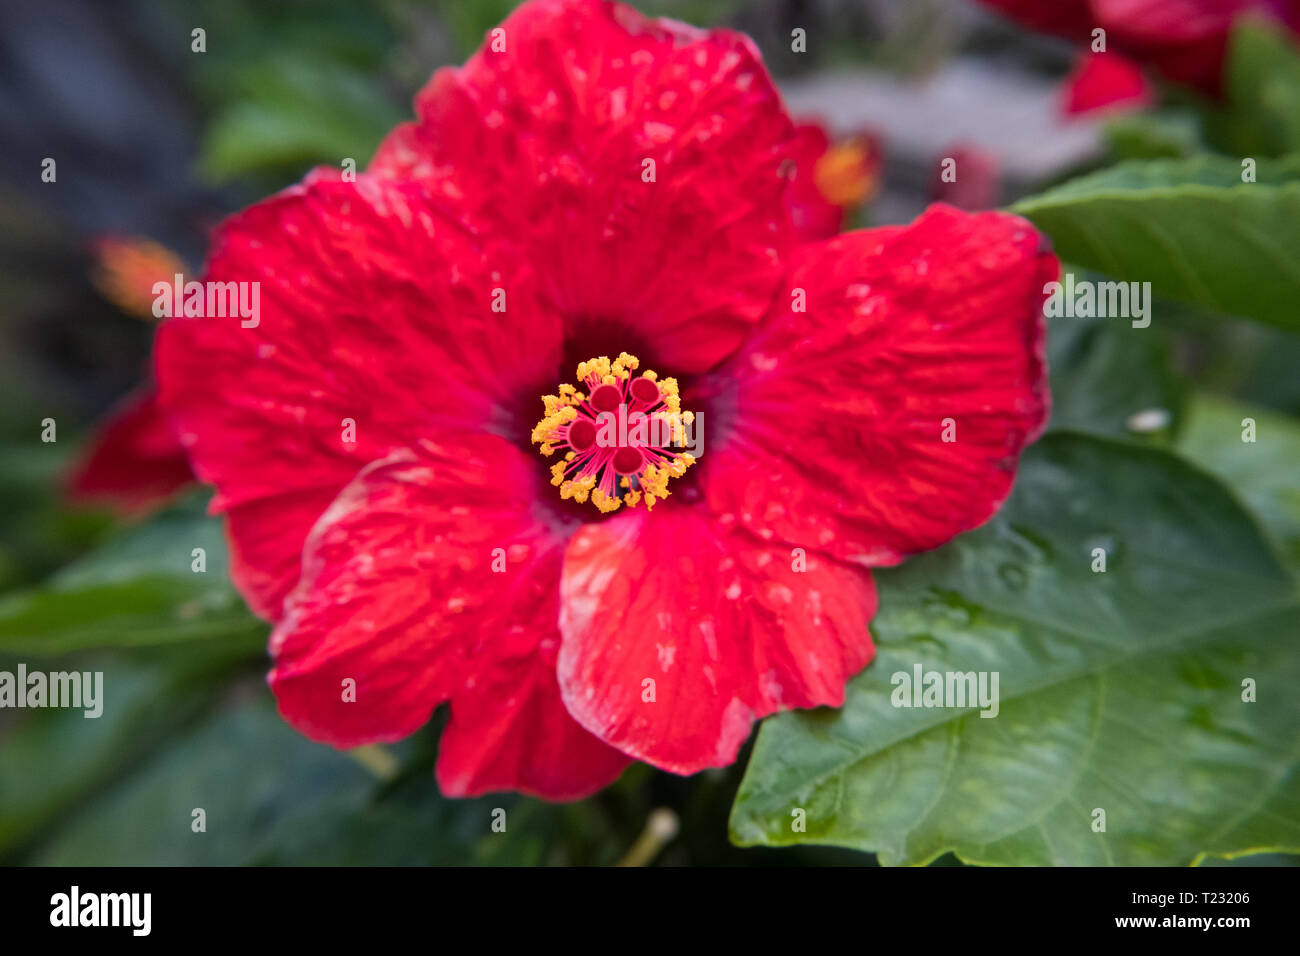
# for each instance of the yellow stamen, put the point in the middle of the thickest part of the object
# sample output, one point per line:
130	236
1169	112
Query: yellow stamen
847	174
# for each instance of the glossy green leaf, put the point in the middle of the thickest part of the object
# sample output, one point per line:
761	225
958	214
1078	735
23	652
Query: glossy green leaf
1110	378
1190	227
1119	691
1264	471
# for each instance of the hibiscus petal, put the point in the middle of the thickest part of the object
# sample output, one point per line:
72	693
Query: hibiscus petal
511	731
134	462
1067	18
1183	39
834	420
376	320
1105	81
728	629
265	537
431	578
550	138
814	216
1186	40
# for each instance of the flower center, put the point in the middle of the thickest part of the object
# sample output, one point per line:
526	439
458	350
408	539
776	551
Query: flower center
617	437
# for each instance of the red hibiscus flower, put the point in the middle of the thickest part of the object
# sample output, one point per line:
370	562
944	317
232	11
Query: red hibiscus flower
1185	40
593	183
830	180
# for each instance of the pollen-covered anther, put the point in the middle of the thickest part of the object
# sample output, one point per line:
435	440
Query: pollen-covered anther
621	438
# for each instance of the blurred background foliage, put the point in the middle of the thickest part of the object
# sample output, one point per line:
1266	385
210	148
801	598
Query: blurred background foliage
155	140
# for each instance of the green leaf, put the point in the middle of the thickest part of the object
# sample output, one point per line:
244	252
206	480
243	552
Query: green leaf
468	23
38	532
1110	378
138	589
299	112
1255	859
55	757
1154	135
272	797
1119	690
1190	227
1265	472
1262	113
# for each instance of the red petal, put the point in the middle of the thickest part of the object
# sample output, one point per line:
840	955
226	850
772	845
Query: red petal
725	627
373	308
833	418
976	185
1105	80
266	537
401	593
135	461
511	731
814	217
1184	39
548	141
1067	18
